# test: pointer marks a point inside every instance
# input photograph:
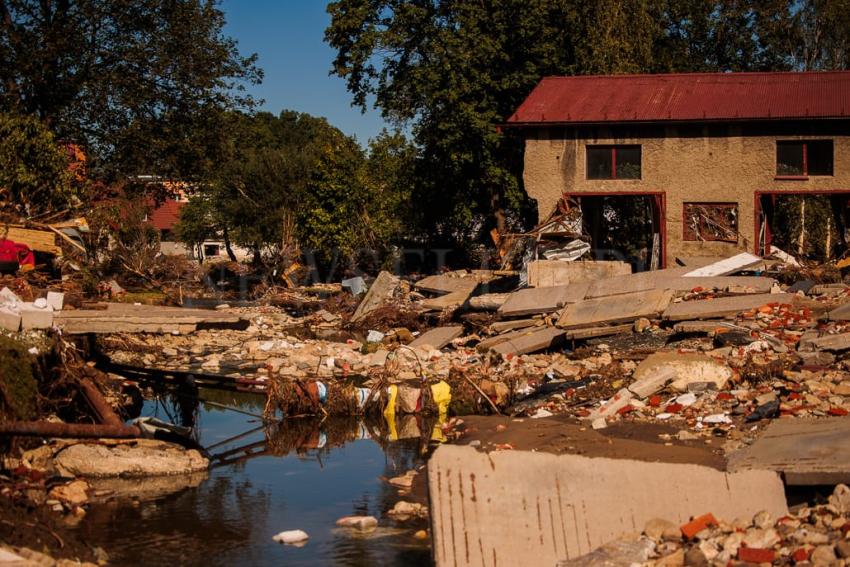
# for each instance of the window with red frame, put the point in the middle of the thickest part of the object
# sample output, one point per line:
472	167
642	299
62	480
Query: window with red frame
717	222
802	158
613	162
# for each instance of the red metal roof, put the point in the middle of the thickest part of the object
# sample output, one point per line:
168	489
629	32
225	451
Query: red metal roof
690	97
166	215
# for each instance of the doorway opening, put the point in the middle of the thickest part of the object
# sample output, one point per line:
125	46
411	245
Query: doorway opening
807	225
625	226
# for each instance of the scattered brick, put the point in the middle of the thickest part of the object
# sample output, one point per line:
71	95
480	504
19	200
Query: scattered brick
698	524
756	555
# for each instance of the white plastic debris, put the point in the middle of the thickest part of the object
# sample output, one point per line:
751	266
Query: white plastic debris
374	337
292	537
542	412
717	418
686	400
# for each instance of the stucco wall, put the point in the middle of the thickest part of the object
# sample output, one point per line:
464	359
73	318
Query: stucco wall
710	163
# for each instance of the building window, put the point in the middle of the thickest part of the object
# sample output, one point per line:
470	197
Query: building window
716	222
803	158
212	250
613	162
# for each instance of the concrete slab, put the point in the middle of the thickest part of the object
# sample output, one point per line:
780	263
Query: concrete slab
840	313
726	266
438	337
628	307
381	291
722	306
533	300
534	341
446	284
549	273
592	332
805	451
834	343
56	300
523	508
632	283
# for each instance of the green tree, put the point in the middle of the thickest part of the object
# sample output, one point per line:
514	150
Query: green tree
141	84
34	174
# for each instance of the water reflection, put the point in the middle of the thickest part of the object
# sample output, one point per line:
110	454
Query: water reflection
300	474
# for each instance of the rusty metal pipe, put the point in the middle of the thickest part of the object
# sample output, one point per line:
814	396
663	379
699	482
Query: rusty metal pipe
103	411
53	429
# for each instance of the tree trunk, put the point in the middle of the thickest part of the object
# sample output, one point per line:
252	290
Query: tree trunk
228	247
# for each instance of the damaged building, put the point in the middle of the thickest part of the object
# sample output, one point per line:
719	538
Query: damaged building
686	165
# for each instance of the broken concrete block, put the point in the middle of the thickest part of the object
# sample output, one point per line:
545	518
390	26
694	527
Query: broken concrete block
8	296
438	337
652	382
617	402
834	343
382	290
55	300
33	317
534	300
534	341
625	308
10	320
570	508
687	367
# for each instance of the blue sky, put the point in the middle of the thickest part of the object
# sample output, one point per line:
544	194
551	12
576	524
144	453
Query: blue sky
287	37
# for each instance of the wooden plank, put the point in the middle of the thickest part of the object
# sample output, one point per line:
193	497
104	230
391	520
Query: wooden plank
439	337
549	273
807	451
722	306
628	307
380	292
726	266
537	340
535	300
484	511
38	240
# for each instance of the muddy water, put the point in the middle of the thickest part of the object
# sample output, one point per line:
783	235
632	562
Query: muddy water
304	474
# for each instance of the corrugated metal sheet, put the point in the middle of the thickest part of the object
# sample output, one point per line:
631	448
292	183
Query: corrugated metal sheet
686	97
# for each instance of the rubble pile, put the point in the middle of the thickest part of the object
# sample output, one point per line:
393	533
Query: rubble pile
810	535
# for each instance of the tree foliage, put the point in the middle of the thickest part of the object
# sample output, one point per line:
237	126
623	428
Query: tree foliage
34	173
139	83
293	181
453	71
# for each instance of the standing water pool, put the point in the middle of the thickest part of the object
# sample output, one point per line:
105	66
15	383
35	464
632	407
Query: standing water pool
300	474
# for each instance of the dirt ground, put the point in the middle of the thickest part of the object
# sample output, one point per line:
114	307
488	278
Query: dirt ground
562	435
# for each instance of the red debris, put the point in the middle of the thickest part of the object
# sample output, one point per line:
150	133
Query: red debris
698	524
756	555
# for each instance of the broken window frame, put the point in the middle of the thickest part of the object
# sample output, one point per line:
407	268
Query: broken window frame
709	227
804	147
613	156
